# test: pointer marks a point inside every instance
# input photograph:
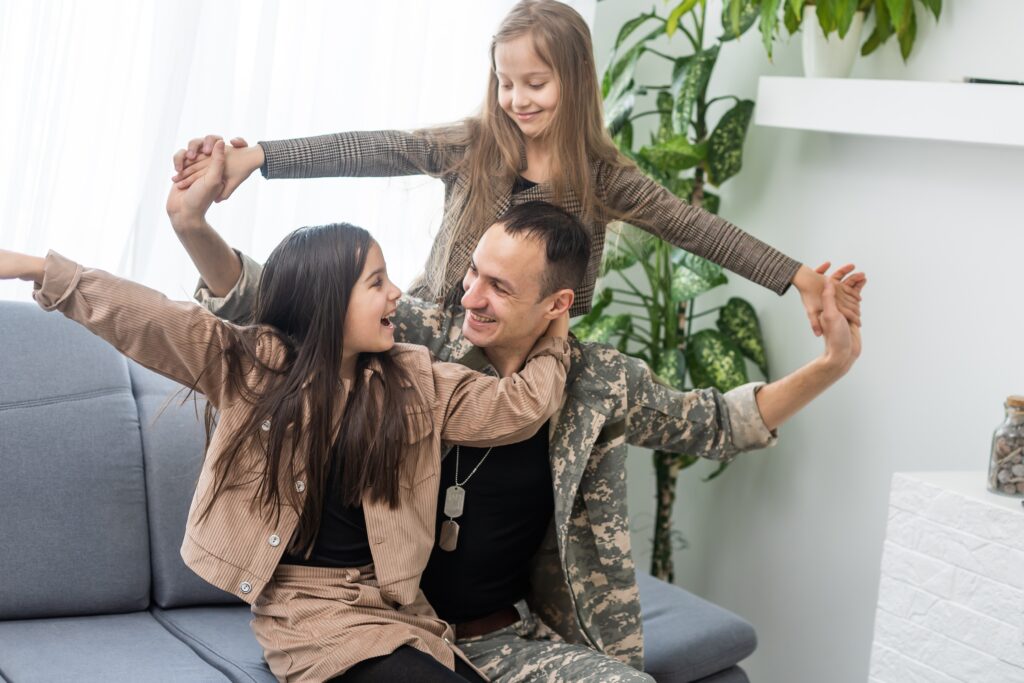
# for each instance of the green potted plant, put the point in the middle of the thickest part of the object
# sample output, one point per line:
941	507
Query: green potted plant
825	55
697	145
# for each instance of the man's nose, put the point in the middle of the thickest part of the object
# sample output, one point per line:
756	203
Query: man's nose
471	297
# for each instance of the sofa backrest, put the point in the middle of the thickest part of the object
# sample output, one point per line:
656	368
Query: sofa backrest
172	444
74	538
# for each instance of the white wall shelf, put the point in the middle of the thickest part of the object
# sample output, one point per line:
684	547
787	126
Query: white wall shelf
959	112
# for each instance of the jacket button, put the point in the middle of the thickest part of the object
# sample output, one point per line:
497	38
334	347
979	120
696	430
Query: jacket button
245	587
266	425
274	540
300	486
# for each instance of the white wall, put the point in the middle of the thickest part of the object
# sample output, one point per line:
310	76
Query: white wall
791	538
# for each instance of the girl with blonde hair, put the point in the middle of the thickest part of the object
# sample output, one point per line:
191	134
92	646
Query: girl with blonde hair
538	136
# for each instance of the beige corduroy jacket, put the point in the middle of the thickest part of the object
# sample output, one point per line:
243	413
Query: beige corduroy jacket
237	546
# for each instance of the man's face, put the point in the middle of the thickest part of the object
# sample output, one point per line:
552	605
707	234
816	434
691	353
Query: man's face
503	302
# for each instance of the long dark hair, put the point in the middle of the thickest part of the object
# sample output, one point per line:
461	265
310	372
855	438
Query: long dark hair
303	299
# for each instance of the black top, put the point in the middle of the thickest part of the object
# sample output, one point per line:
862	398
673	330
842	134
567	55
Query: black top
522	184
507	510
342	540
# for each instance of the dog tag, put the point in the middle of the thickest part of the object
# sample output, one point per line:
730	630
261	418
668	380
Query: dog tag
454	498
449	535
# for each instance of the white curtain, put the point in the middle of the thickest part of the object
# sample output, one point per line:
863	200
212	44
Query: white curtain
95	96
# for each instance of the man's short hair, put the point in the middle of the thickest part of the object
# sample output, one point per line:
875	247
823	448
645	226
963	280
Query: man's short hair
566	242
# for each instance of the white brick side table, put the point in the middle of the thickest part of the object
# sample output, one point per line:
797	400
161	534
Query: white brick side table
951	595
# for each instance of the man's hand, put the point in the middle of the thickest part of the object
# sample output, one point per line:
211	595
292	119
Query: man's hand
187	207
240	161
811	285
20	266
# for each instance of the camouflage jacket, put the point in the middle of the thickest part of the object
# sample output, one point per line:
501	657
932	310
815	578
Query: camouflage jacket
584	579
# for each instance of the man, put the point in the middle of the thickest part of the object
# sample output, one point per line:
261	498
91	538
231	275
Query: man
546	519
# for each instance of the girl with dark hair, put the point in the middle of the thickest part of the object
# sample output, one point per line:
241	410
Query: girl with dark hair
317	497
539	135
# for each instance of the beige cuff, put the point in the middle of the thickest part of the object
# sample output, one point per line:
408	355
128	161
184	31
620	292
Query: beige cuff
60	277
749	432
237	305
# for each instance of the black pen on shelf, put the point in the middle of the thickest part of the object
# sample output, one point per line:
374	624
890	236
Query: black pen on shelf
990	81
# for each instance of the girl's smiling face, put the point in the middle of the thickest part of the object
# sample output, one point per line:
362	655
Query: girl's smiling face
528	90
372	302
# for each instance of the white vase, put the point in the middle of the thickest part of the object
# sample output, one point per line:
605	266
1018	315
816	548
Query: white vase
831	58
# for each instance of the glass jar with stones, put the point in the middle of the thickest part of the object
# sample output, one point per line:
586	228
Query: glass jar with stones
1006	468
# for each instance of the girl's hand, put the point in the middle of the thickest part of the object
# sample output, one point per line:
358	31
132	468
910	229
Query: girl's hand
842	339
240	161
187	207
20	266
811	285
559	327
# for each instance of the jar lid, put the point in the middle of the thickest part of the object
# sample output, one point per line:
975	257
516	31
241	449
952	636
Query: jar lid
1015	402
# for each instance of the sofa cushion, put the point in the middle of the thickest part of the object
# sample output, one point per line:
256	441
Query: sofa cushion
173	439
72	489
222	637
733	674
687	638
122	647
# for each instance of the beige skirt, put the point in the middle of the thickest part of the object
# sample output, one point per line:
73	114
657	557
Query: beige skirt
315	623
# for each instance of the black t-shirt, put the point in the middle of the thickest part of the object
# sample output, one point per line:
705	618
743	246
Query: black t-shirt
521	184
342	541
507	510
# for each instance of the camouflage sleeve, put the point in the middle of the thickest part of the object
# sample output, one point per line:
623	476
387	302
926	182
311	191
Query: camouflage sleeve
434	325
237	305
704	422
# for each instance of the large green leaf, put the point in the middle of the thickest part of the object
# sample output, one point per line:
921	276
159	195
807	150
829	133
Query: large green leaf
671	368
624	244
677	14
664	106
604	328
624	138
725	146
690	77
934	5
672	156
826	11
737	18
618	115
619	75
632	25
791	19
907	35
714	361
769	23
845	10
900	11
883	28
693	275
738	321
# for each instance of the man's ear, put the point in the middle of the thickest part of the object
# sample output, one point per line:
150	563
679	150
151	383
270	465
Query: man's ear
561	301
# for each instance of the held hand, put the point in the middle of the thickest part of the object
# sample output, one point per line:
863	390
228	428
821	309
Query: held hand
240	161
559	327
811	285
842	339
187	207
20	266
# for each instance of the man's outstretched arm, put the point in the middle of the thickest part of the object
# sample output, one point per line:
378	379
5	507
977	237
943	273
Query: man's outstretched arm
713	425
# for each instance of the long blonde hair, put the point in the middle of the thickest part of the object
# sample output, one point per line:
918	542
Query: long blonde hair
494	144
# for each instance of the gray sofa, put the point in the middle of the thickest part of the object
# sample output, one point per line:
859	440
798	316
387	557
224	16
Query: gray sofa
98	459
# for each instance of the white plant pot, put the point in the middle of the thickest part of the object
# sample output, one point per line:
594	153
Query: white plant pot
831	58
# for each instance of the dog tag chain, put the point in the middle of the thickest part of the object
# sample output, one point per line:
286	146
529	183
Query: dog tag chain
454	504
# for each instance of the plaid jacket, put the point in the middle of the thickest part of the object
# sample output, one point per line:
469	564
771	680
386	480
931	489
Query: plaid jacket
656	210
583	577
